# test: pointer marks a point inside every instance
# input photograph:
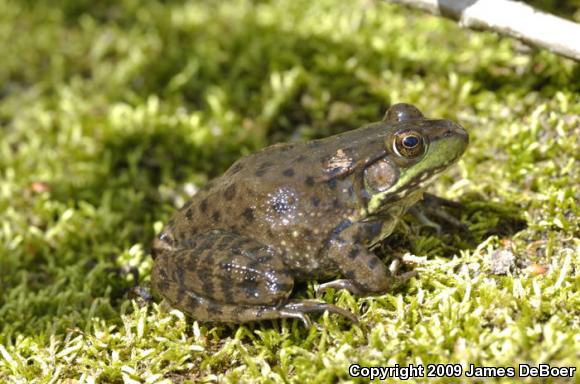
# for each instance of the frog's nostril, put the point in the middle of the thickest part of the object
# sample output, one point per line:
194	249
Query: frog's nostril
457	130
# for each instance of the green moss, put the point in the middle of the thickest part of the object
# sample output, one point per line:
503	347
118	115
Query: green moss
111	113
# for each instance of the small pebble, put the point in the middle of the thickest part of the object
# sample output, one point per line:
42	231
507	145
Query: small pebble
502	262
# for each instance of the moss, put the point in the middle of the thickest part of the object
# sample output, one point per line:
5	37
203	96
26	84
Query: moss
111	113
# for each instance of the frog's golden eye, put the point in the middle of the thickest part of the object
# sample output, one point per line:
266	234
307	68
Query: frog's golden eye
409	144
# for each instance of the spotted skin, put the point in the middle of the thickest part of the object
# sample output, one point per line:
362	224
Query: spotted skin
297	212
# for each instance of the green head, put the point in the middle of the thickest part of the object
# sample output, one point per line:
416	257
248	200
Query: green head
417	150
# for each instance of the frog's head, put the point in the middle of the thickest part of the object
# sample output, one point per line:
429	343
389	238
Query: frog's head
417	150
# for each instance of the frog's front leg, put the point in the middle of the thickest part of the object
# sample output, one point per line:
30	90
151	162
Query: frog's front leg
226	277
365	273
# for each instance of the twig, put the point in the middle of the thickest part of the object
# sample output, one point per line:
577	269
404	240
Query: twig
509	18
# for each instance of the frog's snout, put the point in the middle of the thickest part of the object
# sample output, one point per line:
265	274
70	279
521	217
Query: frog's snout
457	134
461	132
454	129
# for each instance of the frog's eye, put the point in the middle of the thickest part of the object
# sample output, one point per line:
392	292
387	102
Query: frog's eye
409	144
403	112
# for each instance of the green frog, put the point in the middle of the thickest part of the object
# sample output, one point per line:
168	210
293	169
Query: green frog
297	212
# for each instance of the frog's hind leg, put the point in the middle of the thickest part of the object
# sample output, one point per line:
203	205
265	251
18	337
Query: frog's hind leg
209	310
226	277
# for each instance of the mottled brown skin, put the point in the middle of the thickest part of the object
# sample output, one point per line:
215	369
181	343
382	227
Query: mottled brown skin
296	212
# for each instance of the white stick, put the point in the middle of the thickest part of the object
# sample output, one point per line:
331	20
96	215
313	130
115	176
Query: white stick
510	18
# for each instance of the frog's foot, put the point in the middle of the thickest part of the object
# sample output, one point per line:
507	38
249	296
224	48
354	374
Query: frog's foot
419	214
299	309
437	207
404	277
142	294
356	289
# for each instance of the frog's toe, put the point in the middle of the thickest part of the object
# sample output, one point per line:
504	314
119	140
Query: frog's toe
404	277
438	208
419	214
310	306
338	284
292	314
140	293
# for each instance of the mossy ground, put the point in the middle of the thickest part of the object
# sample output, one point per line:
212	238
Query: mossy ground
111	113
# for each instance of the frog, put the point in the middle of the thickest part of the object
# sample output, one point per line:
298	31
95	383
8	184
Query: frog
297	212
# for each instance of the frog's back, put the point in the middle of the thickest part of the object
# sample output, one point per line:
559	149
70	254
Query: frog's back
294	162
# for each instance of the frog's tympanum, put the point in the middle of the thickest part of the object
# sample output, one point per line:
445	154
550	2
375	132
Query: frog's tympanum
300	211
